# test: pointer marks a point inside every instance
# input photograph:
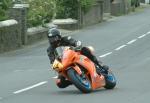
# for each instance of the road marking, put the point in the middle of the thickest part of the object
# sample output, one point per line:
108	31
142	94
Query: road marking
142	36
148	32
132	41
31	87
19	70
105	55
120	47
55	77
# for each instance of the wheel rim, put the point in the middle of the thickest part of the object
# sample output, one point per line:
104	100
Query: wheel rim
111	77
84	81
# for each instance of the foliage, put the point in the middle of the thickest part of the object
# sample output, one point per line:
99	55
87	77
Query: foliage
69	8
135	3
66	8
86	4
40	11
4	6
46	10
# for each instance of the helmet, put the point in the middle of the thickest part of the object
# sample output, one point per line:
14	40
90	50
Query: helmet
91	49
54	35
53	32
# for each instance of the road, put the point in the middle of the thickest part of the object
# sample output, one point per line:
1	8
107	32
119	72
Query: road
122	43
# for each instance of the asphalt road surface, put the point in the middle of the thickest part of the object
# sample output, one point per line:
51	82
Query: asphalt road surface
123	43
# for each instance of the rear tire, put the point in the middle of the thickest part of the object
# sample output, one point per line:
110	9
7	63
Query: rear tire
83	84
110	81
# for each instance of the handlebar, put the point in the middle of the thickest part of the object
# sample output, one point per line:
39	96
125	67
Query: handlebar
77	49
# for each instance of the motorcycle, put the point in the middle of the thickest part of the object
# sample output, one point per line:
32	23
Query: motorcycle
81	71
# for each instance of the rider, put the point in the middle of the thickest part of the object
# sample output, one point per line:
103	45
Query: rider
56	40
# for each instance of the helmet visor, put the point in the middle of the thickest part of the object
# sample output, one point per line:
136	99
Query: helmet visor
54	39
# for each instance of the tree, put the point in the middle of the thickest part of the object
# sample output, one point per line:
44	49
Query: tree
4	6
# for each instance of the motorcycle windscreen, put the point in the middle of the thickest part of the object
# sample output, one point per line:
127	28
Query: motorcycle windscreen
59	51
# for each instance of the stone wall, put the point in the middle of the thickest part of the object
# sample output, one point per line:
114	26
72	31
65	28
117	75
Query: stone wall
107	8
36	34
95	15
145	1
19	13
10	36
119	7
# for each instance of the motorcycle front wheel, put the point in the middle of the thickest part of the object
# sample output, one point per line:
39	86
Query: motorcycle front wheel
81	82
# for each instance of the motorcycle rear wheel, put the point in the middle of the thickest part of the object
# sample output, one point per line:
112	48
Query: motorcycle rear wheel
83	84
110	81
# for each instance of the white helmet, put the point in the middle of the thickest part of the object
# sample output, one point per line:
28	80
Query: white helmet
91	49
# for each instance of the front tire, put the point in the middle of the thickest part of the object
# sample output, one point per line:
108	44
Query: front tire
83	84
61	82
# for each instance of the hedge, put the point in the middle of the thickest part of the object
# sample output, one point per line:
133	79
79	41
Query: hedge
4	6
69	8
46	10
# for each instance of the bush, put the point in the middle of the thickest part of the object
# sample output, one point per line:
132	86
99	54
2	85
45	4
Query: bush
69	8
135	3
4	6
86	4
40	11
46	10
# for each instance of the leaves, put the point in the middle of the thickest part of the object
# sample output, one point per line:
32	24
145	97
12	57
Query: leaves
40	10
67	9
86	4
46	10
4	6
49	9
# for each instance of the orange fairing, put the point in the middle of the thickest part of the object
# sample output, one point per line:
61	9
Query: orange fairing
86	63
97	81
78	70
68	58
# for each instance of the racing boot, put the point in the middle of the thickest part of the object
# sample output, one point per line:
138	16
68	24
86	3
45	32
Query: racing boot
102	70
62	82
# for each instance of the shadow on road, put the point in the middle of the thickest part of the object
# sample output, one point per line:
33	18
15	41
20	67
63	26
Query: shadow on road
76	91
67	92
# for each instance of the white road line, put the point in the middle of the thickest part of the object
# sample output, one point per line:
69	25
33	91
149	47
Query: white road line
142	36
28	88
120	47
148	33
19	70
55	77
105	55
132	41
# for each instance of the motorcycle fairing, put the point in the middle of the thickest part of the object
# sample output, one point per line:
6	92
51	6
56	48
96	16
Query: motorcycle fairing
97	80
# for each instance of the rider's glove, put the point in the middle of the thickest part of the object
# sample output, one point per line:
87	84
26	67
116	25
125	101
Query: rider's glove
78	45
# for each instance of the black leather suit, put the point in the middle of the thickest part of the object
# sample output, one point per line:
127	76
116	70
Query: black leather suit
68	41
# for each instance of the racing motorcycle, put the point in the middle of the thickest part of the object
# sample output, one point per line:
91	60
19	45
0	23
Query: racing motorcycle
81	71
